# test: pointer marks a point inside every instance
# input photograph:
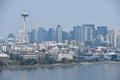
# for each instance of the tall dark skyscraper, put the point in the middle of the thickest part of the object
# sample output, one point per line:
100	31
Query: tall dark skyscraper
51	34
59	34
77	37
29	37
41	35
65	36
71	35
32	36
102	30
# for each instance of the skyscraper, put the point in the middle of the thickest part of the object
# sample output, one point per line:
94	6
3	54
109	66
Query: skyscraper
84	33
114	38
59	34
118	38
76	30
42	35
102	30
51	34
65	36
32	36
89	32
21	36
71	33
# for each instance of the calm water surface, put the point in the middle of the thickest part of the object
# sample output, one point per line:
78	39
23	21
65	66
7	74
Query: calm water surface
79	72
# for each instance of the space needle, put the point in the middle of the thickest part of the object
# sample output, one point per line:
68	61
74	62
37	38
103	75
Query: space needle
25	37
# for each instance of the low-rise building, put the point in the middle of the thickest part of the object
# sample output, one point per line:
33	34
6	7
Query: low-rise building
4	57
60	56
29	56
111	56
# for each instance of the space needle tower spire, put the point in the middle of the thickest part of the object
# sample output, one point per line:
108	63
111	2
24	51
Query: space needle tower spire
25	37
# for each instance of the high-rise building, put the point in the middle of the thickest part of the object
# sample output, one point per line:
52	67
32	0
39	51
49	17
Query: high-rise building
32	36
114	38
11	39
118	38
71	33
59	34
33	33
89	32
65	36
21	36
29	37
84	33
77	37
102	30
51	34
42	35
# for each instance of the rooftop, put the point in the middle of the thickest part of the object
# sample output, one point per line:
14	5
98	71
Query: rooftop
3	55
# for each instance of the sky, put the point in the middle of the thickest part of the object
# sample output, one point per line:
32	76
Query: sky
50	13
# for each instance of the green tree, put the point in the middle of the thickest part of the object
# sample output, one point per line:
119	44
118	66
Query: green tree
1	63
28	62
47	60
14	57
65	60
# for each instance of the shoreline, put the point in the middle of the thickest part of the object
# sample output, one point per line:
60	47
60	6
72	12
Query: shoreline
17	67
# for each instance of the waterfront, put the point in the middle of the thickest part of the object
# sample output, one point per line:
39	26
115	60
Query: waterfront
77	72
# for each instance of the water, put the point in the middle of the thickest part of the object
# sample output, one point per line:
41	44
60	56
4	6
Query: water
79	72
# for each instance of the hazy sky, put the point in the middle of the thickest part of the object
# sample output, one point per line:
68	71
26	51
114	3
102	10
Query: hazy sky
49	13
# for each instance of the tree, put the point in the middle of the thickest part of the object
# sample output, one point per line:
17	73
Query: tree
47	60
1	63
65	60
14	57
28	62
43	50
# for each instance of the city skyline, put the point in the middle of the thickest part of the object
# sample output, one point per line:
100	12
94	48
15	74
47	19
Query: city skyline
37	31
52	13
72	39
